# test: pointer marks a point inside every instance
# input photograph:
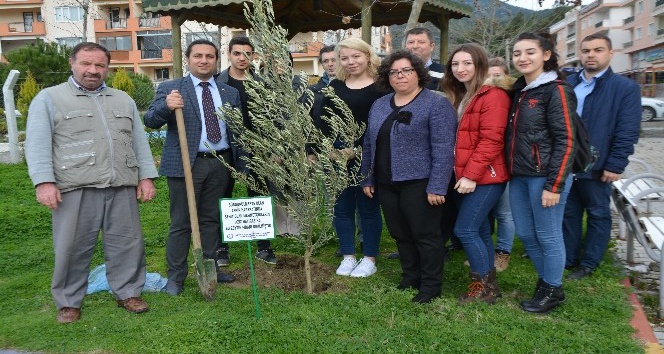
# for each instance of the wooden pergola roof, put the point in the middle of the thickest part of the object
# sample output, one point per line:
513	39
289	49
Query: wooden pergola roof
309	15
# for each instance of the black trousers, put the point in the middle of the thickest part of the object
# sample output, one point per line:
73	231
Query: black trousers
415	226
211	179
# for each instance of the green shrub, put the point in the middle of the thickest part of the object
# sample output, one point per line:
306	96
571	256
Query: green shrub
121	81
28	90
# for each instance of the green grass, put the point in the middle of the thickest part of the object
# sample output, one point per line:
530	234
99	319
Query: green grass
370	316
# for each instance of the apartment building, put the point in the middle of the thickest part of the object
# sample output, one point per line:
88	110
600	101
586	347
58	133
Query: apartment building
140	41
20	23
636	29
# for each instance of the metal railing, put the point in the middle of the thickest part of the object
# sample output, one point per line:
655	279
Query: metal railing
151	54
570	35
571	55
116	23
149	22
20	27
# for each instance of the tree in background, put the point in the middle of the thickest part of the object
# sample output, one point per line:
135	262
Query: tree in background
121	81
50	60
494	26
29	89
143	90
307	187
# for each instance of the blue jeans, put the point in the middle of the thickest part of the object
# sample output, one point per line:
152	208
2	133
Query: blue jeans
350	200
539	228
591	196
503	214
472	225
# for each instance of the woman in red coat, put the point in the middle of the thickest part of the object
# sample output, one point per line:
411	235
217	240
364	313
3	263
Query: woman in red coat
479	166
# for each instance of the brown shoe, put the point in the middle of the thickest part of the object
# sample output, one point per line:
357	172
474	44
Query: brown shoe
68	315
133	304
479	289
501	261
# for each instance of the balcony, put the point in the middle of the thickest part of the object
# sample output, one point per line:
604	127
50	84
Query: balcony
156	55
20	4
20	29
151	54
116	23
628	44
628	20
119	55
571	55
149	22
571	35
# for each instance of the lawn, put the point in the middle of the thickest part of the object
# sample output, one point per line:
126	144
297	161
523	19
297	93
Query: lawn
369	315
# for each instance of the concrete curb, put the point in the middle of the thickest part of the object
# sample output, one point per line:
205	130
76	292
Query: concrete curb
643	329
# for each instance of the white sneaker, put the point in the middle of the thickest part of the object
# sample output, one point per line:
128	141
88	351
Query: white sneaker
347	265
364	268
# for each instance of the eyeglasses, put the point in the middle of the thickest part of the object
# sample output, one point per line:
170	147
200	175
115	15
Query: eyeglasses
236	53
404	72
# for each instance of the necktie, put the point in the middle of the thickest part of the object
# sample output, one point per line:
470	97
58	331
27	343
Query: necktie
211	121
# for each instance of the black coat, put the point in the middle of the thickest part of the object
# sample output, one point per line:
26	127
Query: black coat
539	139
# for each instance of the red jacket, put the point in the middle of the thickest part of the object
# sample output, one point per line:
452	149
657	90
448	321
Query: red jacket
480	140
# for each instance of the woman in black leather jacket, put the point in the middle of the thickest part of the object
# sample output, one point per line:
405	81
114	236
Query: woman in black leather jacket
540	149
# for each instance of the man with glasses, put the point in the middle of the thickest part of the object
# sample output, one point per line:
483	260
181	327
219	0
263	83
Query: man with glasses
240	55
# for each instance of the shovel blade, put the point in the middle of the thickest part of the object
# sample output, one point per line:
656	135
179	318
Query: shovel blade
206	274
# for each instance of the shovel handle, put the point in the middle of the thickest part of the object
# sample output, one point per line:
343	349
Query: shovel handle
188	180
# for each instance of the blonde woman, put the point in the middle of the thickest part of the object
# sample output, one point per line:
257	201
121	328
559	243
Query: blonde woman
355	85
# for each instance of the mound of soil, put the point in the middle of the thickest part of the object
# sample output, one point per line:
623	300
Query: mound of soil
288	275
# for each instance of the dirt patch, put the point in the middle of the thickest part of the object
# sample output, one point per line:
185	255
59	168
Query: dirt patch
288	275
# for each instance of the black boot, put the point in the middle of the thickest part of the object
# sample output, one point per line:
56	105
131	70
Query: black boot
549	297
538	288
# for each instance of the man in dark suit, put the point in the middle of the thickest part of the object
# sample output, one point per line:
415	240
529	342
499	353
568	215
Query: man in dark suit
199	94
419	41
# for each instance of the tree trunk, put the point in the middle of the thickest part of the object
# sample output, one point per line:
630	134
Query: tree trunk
414	14
366	21
308	251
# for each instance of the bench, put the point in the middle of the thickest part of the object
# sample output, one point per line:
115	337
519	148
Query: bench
647	230
633	189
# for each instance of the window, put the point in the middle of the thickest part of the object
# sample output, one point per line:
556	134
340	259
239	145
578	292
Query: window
583	24
639	33
69	14
651	29
161	74
116	43
639	7
70	42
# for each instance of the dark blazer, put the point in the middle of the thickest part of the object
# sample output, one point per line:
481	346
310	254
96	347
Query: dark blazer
158	114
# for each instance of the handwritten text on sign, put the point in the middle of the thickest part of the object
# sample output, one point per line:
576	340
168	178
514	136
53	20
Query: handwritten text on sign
247	219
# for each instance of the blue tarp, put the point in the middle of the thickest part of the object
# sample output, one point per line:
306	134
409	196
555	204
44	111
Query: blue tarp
97	281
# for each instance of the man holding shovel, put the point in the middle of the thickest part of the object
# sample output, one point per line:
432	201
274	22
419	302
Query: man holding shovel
198	95
90	161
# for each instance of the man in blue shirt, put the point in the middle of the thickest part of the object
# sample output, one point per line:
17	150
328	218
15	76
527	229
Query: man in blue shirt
610	106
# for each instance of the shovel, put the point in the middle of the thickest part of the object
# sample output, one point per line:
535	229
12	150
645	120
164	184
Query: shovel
206	270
